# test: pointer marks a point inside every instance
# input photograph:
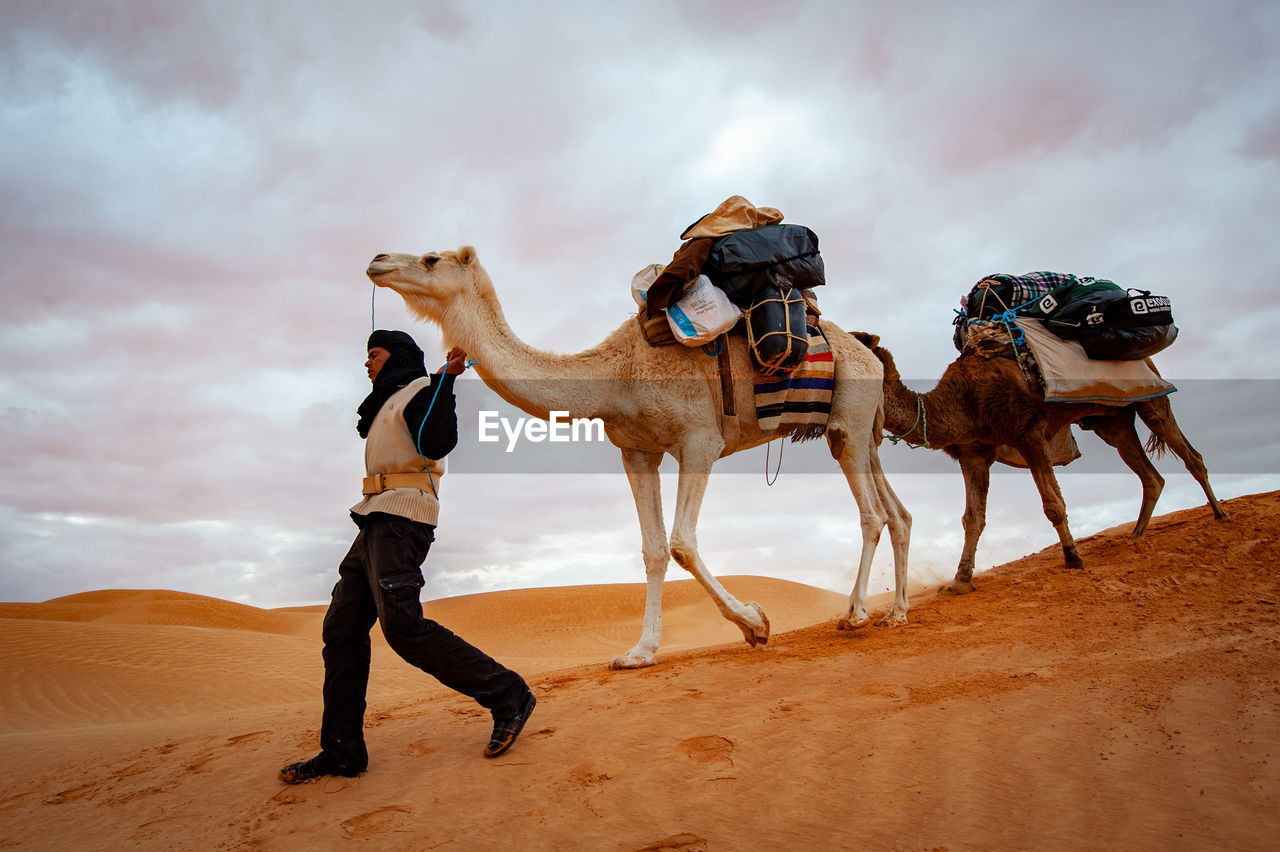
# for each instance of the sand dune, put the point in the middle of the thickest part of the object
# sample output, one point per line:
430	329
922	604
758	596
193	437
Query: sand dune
82	659
160	607
1136	704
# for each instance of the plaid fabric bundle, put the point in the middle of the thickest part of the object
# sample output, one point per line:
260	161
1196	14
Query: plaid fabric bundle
799	403
998	293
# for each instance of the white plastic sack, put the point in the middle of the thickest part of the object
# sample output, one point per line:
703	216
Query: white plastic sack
643	280
703	313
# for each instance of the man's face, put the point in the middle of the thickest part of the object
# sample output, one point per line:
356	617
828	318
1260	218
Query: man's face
377	357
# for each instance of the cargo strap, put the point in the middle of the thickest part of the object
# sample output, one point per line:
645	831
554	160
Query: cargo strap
719	349
726	378
380	482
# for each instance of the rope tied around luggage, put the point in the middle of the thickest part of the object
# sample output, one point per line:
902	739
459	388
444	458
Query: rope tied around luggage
1007	318
772	357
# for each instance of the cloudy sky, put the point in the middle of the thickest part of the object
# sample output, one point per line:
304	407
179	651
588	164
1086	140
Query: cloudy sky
192	191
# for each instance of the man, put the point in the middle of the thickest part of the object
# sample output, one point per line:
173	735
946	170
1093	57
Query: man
409	424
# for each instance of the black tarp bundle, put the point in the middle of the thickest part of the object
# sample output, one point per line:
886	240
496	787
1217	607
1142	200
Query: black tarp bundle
744	262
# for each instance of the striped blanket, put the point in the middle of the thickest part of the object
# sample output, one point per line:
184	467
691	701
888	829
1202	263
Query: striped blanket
798	404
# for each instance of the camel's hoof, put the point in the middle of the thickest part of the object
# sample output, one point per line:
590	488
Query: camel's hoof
753	636
856	623
1074	563
958	587
631	661
893	618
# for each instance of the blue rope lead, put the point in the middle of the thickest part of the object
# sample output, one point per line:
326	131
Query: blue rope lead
431	480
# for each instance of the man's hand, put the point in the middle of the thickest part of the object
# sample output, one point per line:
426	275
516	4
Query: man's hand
457	361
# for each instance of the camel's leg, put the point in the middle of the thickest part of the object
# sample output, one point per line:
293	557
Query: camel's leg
1158	415
976	468
899	520
695	467
1118	431
1036	454
642	474
855	460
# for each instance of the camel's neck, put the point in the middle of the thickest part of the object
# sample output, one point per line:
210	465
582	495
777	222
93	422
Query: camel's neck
534	381
902	406
915	416
921	417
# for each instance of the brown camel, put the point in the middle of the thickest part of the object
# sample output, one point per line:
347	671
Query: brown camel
983	400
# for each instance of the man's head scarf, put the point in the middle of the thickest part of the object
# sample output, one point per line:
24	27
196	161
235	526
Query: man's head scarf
405	364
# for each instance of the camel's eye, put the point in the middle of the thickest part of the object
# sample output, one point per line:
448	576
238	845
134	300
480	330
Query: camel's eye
430	259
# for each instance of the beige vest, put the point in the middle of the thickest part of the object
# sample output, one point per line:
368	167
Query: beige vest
391	449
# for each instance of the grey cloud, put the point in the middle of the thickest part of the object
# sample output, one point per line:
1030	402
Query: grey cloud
193	192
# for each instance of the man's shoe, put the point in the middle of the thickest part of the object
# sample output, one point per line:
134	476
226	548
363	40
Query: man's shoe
316	767
506	730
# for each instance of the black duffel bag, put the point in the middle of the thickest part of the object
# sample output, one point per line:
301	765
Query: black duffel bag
1132	327
776	329
1115	324
744	262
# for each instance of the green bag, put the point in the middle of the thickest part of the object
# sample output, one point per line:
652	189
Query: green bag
1064	309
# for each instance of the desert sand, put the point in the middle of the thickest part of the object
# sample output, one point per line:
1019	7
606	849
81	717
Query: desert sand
1133	705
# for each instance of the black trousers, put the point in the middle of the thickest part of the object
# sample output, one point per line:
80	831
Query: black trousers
381	580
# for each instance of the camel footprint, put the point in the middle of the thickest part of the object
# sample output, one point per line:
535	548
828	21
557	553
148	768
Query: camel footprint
421	748
200	761
684	842
72	794
375	823
884	692
714	754
249	737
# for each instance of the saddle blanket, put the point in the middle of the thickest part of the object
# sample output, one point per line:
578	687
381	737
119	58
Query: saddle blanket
1063	450
799	403
1072	376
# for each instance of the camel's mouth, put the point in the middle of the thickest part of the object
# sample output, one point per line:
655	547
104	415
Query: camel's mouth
380	265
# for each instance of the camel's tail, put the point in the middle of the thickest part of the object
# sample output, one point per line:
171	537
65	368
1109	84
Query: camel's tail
1155	446
1158	417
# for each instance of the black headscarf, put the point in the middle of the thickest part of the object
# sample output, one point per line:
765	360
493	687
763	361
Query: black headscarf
405	364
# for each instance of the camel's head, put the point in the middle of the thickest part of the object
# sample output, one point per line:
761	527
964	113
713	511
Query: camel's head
872	342
429	282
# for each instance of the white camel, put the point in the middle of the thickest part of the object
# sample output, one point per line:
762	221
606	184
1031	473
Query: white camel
656	400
